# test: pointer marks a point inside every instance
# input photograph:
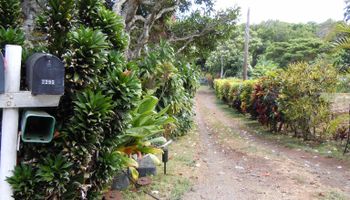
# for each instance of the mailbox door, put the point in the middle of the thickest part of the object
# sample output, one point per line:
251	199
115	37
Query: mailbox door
46	75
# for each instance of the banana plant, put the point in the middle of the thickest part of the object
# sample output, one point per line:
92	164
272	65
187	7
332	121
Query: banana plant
144	125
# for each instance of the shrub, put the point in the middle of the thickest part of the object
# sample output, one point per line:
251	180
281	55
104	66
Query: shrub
226	90
300	98
100	92
24	184
284	97
10	23
86	57
55	22
223	86
218	84
173	82
111	25
10	12
233	96
11	36
101	111
337	128
245	95
190	76
265	105
255	97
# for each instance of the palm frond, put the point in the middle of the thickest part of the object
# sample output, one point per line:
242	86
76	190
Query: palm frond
342	40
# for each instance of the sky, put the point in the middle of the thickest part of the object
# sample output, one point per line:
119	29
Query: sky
293	11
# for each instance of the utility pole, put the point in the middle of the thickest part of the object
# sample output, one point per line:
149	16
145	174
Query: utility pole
222	67
246	48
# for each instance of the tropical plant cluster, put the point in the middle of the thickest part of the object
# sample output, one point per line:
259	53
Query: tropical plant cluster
174	82
111	109
292	100
10	32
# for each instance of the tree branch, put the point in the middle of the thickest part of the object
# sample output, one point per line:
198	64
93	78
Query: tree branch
184	46
191	37
117	7
166	10
137	18
157	12
188	37
148	2
129	12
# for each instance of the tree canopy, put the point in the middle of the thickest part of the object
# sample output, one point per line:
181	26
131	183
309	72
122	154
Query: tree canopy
189	29
272	44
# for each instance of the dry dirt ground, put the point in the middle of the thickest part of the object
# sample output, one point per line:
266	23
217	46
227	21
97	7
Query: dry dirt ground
235	163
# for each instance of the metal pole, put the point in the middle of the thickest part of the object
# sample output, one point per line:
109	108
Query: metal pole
246	48
9	129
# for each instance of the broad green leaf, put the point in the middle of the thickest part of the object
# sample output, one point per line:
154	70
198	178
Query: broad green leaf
158	141
155	159
151	150
134	173
147	104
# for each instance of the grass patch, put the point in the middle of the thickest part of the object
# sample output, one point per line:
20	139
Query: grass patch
180	172
334	195
185	159
180	188
163	187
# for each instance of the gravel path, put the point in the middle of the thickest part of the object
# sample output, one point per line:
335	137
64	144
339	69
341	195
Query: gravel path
235	164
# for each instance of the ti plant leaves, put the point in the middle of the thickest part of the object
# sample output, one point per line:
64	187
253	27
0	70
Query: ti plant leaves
10	12
24	183
11	36
86	57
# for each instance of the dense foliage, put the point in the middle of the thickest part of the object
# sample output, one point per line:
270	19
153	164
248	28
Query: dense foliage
282	98
109	110
174	82
10	11
193	27
197	34
300	98
10	22
273	44
294	50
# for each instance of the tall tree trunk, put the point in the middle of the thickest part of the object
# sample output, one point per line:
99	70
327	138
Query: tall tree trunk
246	48
222	68
30	9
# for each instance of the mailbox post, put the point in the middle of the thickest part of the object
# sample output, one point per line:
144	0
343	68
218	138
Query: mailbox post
2	74
13	99
9	128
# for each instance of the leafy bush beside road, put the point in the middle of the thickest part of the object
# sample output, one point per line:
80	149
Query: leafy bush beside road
287	99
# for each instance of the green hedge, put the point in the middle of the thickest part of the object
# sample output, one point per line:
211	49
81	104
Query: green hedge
285	98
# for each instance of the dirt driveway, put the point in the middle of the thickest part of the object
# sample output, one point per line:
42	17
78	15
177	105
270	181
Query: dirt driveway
236	164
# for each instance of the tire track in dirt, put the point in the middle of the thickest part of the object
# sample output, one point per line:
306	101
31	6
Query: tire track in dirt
239	165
